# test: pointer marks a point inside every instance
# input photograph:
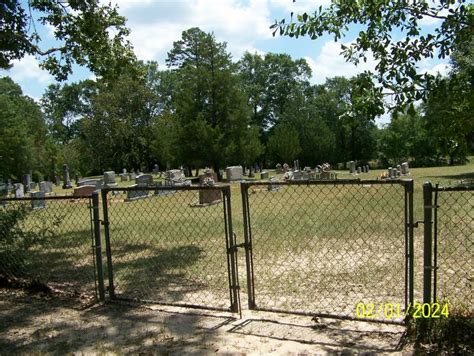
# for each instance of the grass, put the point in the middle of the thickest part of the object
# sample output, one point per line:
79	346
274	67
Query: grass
315	249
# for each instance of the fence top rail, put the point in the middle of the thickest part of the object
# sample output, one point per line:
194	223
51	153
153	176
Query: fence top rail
404	182
222	187
453	189
53	197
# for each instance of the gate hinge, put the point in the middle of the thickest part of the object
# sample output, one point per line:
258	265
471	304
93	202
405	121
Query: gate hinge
416	223
235	247
431	206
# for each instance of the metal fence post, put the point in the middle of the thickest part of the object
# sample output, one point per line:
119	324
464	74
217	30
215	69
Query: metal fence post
108	249
427	240
411	249
98	246
244	189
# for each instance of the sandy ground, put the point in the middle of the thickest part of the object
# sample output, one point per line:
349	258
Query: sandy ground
45	323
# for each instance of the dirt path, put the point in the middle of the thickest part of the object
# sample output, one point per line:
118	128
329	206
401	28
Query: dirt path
54	324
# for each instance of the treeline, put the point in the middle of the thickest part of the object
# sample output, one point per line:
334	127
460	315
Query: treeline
207	110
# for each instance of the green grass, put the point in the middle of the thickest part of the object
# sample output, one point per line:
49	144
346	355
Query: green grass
315	249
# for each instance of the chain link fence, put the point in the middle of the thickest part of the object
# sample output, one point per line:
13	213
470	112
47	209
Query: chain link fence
453	255
170	245
323	248
48	240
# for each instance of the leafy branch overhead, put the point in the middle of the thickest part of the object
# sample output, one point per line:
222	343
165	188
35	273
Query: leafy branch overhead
86	32
392	33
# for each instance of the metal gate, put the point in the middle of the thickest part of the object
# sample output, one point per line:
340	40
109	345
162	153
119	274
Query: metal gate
449	246
164	245
325	247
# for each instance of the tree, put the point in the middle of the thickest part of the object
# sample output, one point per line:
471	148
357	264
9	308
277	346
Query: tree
23	136
213	118
283	144
383	21
87	32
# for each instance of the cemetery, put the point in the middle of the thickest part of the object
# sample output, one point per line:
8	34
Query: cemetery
236	177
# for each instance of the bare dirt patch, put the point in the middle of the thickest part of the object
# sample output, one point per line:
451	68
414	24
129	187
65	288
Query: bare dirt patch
49	322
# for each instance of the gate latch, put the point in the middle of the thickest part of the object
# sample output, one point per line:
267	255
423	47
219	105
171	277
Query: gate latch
416	223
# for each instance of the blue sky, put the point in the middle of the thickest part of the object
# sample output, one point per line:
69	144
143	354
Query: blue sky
244	25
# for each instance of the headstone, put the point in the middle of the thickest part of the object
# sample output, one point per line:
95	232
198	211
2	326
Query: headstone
367	168
307	169
234	173
124	177
404	168
286	167
132	176
19	190
136	194
251	173
278	169
109	179
305	175
124	171
84	191
144	180
156	169
26	182
209	196
46	187
57	180
359	170
297	175
264	175
389	171
67	182
351	165
272	187
95	182
175	175
394	173
37	203
33	186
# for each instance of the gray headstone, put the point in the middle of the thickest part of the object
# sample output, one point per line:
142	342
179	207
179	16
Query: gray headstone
234	173
264	175
367	168
404	168
124	171
95	182
352	168
359	170
33	186
19	190
57	180
37	203
124	177
132	176
273	187
109	178
156	169
144	180
26	182
278	168
67	181
46	187
297	175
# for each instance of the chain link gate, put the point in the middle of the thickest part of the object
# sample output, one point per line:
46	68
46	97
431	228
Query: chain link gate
163	245
449	246
322	247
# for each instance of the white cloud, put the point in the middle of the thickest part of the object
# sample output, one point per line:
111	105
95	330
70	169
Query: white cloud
299	6
330	63
27	69
156	26
441	68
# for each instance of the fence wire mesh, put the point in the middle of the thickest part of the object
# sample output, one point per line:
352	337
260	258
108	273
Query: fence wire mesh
166	247
454	248
48	240
325	248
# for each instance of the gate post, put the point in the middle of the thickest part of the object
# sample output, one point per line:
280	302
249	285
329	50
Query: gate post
427	240
244	190
98	246
411	249
108	249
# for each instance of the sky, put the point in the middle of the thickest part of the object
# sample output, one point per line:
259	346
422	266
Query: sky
242	24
